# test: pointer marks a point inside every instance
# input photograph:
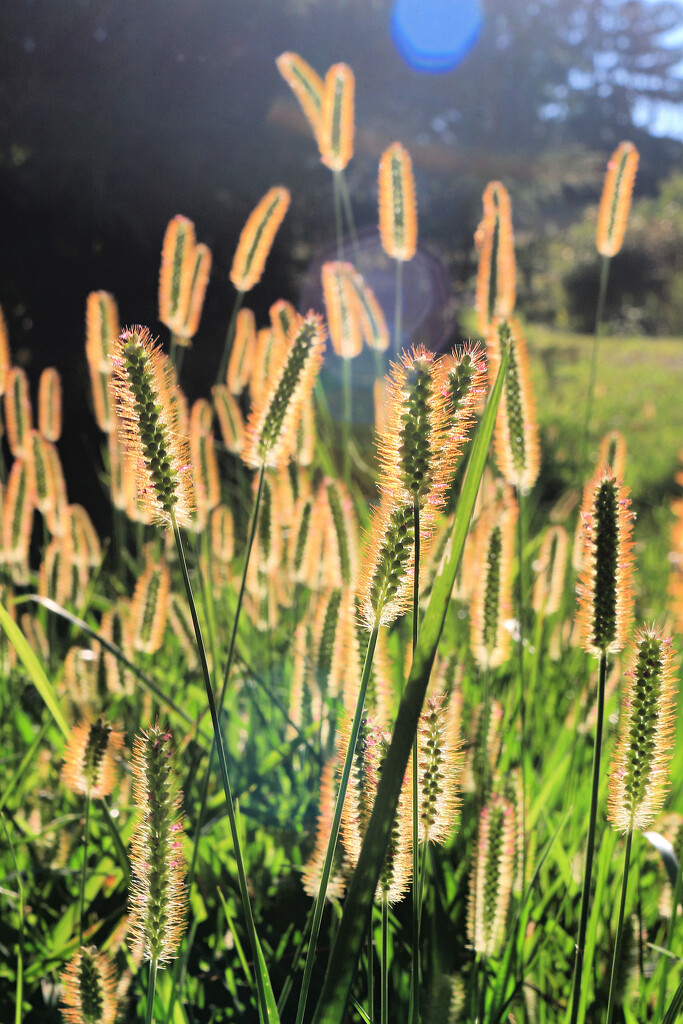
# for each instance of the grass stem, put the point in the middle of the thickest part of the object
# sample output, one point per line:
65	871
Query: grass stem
620	927
604	274
579	950
86	830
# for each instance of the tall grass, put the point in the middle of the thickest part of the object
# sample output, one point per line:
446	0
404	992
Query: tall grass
404	735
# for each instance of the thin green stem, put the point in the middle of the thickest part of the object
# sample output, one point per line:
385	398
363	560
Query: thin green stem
398	309
414	1009
336	821
678	889
522	695
579	951
348	405
620	926
604	274
151	990
222	759
230	334
384	993
86	831
346	201
338	215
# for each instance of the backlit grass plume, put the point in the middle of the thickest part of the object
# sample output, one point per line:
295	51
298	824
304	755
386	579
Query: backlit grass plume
606	589
337	117
551	566
50	404
306	84
492	598
184	274
143	384
158	901
491	878
518	452
616	199
639	775
341	308
272	426
242	353
90	758
440	764
257	238
497	273
397	203
89	988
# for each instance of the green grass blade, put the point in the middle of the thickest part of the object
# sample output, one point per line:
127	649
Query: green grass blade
33	667
675	1006
334	996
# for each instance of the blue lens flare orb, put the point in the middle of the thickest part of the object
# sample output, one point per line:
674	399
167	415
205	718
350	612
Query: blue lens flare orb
435	35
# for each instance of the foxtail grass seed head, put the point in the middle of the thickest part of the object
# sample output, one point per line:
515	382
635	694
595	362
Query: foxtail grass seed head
101	329
307	86
18	411
18	513
492	598
516	434
605	588
415	468
491	878
242	352
397	869
464	382
90	758
440	765
341	308
50	404
337	117
612	452
175	275
159	895
204	461
222	533
373	325
230	418
494	241
143	386
341	534
386	576
89	988
550	567
256	239
312	871
397	203
616	199
149	607
640	772
272	427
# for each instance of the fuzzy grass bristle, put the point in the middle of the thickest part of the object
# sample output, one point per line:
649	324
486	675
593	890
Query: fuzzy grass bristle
50	404
257	237
551	566
143	386
615	202
385	588
272	426
497	273
18	411
397	203
492	875
492	598
415	468
89	988
518	452
440	764
341	309
337	117
605	588
307	86
312	870
242	353
371	318
159	898
90	758
639	776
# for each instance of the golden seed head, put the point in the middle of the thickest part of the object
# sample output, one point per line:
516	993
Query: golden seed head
639	776
496	277
397	203
90	758
307	86
89	993
335	138
605	590
144	390
257	237
616	199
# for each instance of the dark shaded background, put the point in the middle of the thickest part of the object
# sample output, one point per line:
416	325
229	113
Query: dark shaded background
115	115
